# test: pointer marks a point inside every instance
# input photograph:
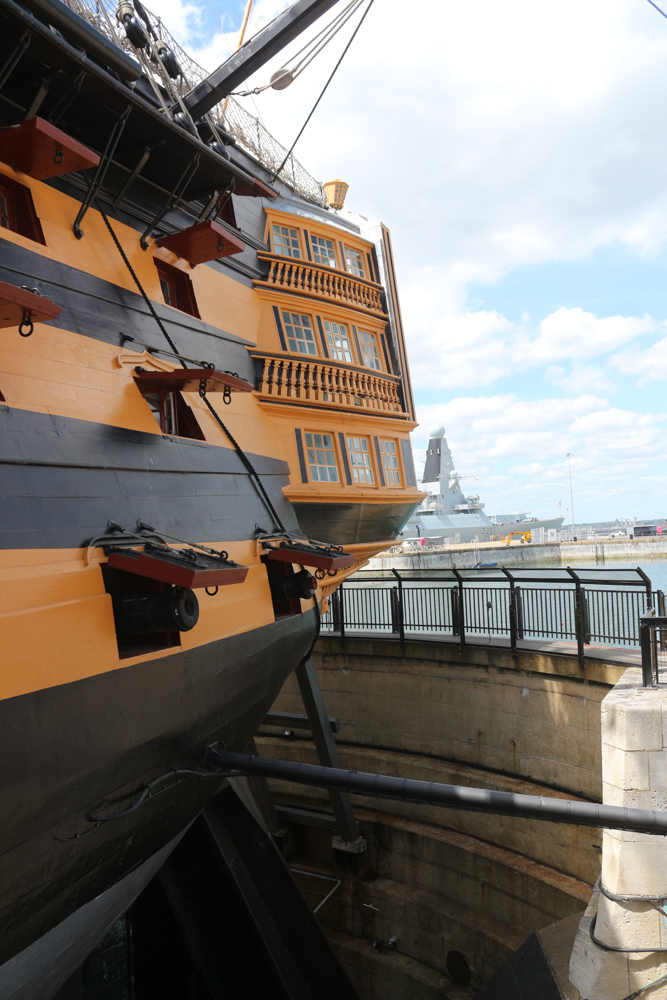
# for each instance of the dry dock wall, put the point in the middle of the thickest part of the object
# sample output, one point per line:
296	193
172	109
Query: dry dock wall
440	880
518	554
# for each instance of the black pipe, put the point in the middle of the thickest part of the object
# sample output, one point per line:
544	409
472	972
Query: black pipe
451	796
93	41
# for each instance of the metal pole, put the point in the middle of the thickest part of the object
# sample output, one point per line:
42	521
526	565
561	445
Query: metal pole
462	628
327	751
645	642
537	807
569	456
401	618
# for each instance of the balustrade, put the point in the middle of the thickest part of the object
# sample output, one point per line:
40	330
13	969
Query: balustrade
318	382
323	282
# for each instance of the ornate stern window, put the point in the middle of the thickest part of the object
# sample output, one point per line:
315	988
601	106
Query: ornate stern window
354	262
360	460
286	241
299	333
323	251
337	339
369	350
392	476
321	458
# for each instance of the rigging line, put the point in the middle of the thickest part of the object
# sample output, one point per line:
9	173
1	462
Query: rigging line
664	15
303	127
249	466
239	450
314	46
140	286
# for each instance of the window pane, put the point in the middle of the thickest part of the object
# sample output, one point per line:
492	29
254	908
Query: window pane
337	339
354	262
390	463
299	332
369	350
286	242
360	460
322	458
323	251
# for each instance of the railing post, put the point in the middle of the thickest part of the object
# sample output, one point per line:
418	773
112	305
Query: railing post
399	608
518	603
461	608
647	644
334	602
649	593
580	615
512	610
342	610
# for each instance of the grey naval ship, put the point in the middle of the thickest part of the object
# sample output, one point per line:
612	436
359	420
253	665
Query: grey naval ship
447	513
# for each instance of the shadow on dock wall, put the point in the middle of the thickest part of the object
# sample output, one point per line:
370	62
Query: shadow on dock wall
438	881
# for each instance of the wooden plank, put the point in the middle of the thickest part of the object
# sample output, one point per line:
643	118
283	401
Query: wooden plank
305	556
201	242
210	572
188	379
39	149
15	302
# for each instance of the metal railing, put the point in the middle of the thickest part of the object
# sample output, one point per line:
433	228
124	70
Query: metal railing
583	606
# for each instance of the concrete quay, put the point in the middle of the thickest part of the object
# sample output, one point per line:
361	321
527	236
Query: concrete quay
467	555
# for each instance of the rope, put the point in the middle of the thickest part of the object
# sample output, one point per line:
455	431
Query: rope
239	450
249	466
664	15
324	90
314	46
141	289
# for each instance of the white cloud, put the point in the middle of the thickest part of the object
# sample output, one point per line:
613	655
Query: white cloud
649	364
573	333
517	450
581	378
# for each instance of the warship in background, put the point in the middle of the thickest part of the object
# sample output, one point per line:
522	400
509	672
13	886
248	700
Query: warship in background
448	513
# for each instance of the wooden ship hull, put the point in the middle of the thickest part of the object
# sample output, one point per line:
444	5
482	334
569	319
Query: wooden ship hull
132	248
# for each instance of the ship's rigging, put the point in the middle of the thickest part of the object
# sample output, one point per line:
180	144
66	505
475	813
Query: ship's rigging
173	74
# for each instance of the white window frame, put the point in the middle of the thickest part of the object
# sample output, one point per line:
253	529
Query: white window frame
391	466
361	462
299	321
321	457
288	249
354	262
338	342
326	254
370	351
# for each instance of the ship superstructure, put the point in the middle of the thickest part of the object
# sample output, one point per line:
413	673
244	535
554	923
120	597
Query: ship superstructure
449	514
205	410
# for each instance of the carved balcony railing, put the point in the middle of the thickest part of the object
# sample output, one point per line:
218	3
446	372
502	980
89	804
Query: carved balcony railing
318	383
323	283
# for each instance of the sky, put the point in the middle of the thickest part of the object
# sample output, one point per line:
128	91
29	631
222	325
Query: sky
518	153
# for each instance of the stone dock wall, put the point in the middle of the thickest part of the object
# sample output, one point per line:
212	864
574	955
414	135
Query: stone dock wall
518	553
441	881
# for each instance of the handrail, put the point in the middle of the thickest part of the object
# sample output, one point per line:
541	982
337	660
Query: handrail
323	282
316	382
513	604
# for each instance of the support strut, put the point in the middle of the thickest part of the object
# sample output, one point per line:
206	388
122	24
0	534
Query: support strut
449	796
